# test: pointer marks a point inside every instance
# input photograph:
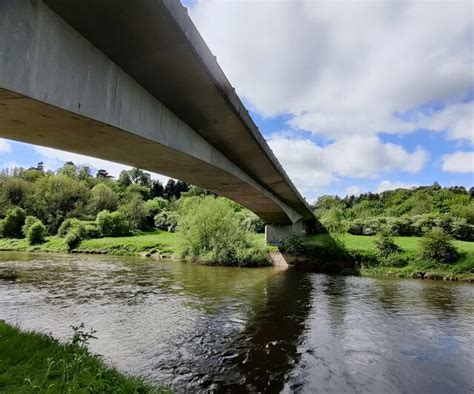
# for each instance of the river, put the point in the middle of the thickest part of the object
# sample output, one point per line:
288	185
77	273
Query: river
220	329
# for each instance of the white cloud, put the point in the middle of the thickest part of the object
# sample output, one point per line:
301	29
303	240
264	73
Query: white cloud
54	158
312	166
462	162
4	146
343	68
353	190
389	185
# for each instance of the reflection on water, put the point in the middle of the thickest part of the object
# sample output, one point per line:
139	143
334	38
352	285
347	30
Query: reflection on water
250	330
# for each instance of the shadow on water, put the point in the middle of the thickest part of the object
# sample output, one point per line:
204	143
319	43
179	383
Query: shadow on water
267	349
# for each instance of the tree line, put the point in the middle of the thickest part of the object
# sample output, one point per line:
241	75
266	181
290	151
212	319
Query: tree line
404	212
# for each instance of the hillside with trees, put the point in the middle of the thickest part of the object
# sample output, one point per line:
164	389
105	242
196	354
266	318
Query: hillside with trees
401	212
74	204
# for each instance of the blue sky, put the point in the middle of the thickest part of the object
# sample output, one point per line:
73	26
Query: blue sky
351	96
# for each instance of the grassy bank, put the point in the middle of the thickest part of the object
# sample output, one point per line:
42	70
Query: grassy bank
32	362
162	242
362	249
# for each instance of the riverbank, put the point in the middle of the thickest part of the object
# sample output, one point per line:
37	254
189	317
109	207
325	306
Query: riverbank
361	250
319	249
154	242
33	362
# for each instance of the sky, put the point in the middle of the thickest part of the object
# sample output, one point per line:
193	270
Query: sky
351	96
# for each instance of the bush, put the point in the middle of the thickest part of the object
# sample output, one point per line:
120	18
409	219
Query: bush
134	211
462	230
397	260
70	224
252	222
401	226
294	245
385	246
437	246
92	230
29	221
167	220
73	239
112	224
153	208
36	233
211	233
13	223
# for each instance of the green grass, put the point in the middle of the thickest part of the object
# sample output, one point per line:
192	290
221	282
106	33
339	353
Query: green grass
32	362
156	241
363	248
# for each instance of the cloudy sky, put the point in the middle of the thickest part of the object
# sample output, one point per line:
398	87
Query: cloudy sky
351	95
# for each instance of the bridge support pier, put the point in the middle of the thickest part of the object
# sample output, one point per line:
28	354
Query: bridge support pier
275	234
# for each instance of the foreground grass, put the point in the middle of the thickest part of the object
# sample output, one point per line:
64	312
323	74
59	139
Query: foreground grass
32	362
362	248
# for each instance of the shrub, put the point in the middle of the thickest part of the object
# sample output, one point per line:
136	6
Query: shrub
398	260
73	239
29	221
211	233
399	226
437	246
294	245
92	230
2	224
112	224
13	223
167	220
70	224
462	230
153	208
36	233
252	222
385	246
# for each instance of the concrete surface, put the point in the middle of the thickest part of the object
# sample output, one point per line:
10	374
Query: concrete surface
133	82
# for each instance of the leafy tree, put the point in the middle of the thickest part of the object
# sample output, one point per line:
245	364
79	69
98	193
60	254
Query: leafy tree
57	197
153	208
15	191
112	224
13	223
103	198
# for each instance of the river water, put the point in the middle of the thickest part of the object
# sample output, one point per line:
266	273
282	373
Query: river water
222	329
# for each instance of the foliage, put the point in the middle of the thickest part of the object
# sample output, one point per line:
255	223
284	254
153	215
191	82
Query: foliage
211	233
402	212
29	221
294	245
134	212
72	224
73	239
167	220
251	222
112	224
385	245
13	223
152	208
103	198
36	233
437	246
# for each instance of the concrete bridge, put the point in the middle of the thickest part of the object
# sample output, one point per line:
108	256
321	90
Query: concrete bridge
134	82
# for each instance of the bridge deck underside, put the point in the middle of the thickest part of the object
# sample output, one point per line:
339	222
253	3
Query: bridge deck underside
28	120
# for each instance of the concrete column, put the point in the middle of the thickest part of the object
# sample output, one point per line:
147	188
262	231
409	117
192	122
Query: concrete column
276	234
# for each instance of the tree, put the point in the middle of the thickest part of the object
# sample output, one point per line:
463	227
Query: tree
157	189
15	191
57	197
169	191
134	211
13	223
103	175
103	198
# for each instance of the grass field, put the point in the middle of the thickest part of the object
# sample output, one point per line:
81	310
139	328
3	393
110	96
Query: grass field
363	247
36	363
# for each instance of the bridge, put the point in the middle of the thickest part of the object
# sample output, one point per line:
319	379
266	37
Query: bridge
134	82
